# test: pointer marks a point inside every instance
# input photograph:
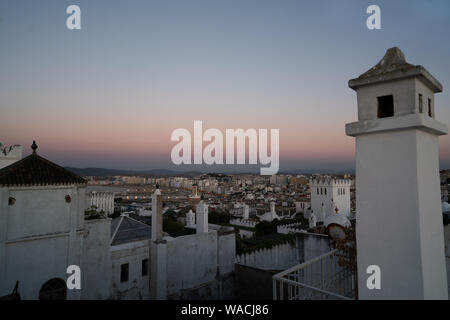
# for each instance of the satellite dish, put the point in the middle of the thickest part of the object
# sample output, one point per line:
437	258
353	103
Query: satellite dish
336	232
336	225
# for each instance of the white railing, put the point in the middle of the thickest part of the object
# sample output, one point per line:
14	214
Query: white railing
321	278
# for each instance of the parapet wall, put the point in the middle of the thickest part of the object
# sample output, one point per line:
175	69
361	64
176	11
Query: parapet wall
243	223
279	257
331	182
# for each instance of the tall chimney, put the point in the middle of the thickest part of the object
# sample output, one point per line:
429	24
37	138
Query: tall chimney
157	217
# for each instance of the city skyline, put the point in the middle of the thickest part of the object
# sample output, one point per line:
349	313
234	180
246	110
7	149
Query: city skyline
110	94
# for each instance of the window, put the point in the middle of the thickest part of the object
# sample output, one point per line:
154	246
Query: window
321	191
144	267
124	272
325	190
429	108
317	190
420	103
385	106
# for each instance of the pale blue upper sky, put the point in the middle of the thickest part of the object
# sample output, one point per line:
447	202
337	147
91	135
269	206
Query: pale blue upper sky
110	94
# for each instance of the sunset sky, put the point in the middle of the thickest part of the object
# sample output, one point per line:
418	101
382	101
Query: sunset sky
109	95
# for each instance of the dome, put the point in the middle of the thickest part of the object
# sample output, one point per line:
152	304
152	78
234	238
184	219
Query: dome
338	219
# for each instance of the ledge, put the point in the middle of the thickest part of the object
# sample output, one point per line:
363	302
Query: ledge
411	121
416	71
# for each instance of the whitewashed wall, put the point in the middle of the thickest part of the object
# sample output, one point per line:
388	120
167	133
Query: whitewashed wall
96	269
194	260
40	236
137	287
191	261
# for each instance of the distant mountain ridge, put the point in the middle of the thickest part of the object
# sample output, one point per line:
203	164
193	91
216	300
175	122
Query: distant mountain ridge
166	172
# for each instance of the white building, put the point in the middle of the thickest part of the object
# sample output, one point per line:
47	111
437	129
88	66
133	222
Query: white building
399	217
302	206
327	194
130	254
43	231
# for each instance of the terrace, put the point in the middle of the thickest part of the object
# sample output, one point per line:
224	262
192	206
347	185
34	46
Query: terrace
326	277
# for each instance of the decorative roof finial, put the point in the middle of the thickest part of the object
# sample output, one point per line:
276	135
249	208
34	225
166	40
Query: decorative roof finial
34	146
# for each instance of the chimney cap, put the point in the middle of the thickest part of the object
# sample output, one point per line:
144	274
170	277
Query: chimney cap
393	66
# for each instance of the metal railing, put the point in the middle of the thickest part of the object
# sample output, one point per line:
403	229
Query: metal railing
322	278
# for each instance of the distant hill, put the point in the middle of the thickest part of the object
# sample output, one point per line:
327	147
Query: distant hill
166	172
321	171
117	172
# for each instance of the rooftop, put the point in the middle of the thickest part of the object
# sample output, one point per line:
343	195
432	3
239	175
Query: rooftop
37	171
125	229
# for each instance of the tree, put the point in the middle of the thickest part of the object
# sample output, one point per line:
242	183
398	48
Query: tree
219	217
265	227
171	224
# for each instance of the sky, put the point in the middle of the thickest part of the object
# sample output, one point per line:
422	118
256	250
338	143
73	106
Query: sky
110	95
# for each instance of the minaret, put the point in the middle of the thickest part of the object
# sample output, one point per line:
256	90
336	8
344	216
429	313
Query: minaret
202	216
158	251
157	217
399	219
